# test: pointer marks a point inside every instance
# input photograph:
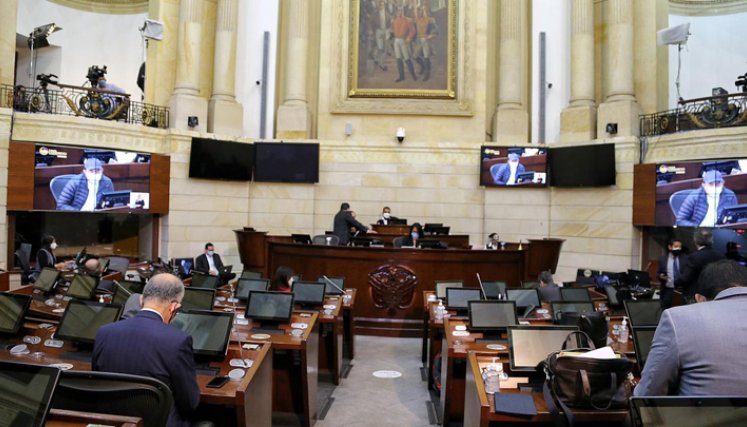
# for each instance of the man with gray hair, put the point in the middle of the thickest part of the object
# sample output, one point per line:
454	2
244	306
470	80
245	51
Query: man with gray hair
146	345
695	262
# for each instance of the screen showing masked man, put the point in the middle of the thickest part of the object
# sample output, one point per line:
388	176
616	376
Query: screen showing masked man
83	191
704	206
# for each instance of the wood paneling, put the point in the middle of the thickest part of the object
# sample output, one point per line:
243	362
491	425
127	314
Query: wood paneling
160	176
21	176
644	194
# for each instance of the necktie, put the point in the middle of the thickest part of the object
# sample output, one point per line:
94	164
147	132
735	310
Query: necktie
675	268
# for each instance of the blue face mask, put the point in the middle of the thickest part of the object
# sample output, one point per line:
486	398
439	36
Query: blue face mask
211	253
414	235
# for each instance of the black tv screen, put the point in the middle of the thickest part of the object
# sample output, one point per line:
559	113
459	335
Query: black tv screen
225	160
583	166
286	162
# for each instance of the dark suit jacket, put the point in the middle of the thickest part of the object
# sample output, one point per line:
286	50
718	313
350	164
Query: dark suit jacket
341	226
75	193
144	345
202	265
550	293
662	267
691	267
504	173
694	208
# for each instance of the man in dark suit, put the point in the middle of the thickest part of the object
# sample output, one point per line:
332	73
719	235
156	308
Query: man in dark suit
386	216
343	221
146	345
695	262
704	206
209	262
549	290
83	192
668	271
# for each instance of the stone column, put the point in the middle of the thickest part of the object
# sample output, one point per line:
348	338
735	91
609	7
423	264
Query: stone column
578	121
511	121
225	115
8	41
293	117
186	100
620	105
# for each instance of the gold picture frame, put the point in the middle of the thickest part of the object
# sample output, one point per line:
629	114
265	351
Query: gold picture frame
402	49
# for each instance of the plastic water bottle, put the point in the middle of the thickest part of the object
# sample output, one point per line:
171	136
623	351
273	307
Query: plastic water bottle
624	331
440	310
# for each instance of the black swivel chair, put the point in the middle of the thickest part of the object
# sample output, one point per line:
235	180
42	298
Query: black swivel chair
115	394
24	255
57	184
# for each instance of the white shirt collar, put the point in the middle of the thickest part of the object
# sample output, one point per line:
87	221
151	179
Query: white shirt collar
154	311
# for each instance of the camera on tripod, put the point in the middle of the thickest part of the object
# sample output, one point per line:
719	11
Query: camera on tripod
45	79
95	73
742	81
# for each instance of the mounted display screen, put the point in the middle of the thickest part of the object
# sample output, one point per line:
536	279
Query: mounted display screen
513	166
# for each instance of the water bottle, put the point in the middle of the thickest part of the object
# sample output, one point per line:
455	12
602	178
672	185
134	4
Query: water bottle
624	331
440	310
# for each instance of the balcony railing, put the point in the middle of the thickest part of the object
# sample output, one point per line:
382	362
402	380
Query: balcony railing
85	102
711	112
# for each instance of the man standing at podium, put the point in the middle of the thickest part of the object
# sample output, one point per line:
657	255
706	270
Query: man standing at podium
343	221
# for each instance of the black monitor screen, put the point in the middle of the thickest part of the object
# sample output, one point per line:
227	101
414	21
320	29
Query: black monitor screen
643	312
210	330
302	239
198	299
494	289
135	287
46	280
121	294
270	306
492	315
247	274
685	411
82	320
250	285
575	294
332	290
459	298
12	309
225	160
583	166
309	293
523	297
530	345
513	166
442	285
82	287
571	307
642	338
286	162
184	266
26	392
204	281
639	278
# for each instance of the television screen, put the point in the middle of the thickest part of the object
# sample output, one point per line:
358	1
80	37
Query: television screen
64	175
226	160
582	166
701	194
509	166
286	162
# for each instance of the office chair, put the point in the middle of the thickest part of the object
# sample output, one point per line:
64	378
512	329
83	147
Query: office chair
58	183
119	263
321	239
677	198
397	242
23	257
115	394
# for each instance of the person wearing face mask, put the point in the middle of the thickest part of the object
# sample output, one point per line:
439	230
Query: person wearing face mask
45	256
668	271
703	207
386	216
146	345
507	173
210	263
83	192
416	233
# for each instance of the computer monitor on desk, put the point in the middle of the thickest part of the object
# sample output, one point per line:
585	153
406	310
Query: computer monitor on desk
270	308
246	286
27	391
12	309
398	221
575	294
428	227
47	279
337	281
198	299
526	299
492	316
204	281
436	231
82	286
530	345
302	239
210	331
82	320
114	199
309	294
431	244
459	298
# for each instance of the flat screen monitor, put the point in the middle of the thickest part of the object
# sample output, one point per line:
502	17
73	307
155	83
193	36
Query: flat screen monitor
571	307
530	345
398	221
121	294
332	290
309	293
686	411
524	298
643	336
250	285
275	307
494	289
575	294
12	309
513	166
221	160
123	179
247	274
361	241
134	286
643	312
210	330
301	239
583	166
681	197
437	231
204	281
431	244
286	162
47	279
459	298
198	299
27	391
639	278
492	315
82	286
441	286
183	266
82	319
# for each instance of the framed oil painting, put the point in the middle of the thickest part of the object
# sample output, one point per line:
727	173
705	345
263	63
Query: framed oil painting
402	49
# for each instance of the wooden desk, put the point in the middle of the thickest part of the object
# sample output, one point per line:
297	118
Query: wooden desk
479	410
65	418
249	396
331	338
348	316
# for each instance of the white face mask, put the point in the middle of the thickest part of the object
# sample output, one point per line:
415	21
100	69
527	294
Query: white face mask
414	234
387	215
53	245
713	190
211	253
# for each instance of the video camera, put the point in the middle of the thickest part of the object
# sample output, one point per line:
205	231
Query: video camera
95	73
742	81
45	79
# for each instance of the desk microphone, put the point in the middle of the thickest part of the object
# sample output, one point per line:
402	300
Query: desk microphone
333	284
482	288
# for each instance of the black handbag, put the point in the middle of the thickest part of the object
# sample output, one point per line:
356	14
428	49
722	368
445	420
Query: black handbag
593	324
579	382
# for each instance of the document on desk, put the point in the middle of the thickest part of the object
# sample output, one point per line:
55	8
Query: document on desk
600	353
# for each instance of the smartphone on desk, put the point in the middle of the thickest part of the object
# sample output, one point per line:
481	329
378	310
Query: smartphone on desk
217	382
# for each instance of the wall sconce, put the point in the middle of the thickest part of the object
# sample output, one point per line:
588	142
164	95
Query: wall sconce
400	134
612	128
